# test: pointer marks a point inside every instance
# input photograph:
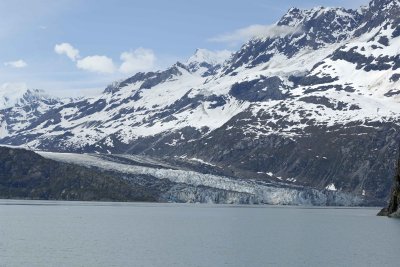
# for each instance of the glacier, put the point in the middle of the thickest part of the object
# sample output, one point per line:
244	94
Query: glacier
208	188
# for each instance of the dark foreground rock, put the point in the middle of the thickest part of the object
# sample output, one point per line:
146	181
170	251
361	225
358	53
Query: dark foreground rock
27	175
392	210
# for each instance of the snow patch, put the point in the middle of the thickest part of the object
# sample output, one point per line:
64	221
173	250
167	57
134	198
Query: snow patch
331	187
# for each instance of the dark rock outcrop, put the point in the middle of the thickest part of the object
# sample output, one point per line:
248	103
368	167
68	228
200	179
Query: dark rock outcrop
392	210
262	89
27	175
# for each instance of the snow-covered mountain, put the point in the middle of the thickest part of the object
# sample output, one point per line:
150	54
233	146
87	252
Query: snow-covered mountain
12	95
317	105
207	62
20	106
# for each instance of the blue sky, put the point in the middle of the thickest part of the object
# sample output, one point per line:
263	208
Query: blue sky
104	40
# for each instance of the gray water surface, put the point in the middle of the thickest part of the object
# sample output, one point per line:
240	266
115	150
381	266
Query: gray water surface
52	233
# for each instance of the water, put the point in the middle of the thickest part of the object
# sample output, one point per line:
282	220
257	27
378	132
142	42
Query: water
44	233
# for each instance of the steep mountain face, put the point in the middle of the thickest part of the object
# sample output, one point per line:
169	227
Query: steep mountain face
314	104
305	30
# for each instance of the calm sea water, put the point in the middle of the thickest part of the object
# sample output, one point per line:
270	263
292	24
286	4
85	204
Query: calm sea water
44	233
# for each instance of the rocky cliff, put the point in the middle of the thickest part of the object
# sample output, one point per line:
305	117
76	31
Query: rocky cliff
392	210
27	175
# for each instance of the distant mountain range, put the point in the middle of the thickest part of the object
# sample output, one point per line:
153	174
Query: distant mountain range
316	106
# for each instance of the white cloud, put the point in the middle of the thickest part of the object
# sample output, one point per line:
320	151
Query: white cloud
16	64
255	31
68	50
100	64
141	59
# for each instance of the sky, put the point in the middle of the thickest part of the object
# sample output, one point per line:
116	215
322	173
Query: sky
78	47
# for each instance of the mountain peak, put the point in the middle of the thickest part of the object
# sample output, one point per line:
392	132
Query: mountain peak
295	17
18	94
206	62
211	57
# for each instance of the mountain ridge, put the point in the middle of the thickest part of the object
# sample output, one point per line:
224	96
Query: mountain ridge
316	107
